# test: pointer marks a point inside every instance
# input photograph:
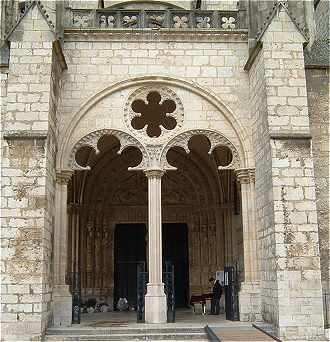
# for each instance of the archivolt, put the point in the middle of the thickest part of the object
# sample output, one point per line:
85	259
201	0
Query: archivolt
65	146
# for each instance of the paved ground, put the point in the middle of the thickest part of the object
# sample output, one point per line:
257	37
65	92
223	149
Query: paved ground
183	317
226	331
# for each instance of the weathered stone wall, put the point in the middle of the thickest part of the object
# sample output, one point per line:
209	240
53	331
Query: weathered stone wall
95	66
27	176
263	185
318	101
291	287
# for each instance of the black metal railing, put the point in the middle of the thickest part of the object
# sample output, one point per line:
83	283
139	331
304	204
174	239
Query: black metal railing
231	292
168	277
142	280
138	19
76	297
326	309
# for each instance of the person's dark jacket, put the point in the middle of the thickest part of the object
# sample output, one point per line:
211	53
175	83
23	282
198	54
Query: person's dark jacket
217	290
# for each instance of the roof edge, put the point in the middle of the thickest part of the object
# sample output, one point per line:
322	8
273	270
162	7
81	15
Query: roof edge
28	7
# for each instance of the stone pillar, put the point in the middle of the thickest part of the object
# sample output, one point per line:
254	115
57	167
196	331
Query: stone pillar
61	295
291	293
249	296
155	299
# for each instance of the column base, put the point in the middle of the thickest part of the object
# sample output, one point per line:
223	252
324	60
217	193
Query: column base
62	312
155	304
249	302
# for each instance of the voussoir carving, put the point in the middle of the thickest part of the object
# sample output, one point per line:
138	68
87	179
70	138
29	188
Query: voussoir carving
91	140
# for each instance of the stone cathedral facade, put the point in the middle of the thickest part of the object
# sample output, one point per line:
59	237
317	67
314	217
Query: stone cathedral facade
210	117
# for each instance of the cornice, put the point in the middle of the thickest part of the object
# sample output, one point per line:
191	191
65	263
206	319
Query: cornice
156	35
25	135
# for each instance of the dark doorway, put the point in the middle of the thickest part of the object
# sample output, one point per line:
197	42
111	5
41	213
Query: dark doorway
175	251
130	249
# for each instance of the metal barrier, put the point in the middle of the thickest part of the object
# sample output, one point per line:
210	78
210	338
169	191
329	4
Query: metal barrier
142	280
76	297
326	310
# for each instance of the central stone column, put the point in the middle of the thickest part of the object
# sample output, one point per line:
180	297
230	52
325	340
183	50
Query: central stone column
155	299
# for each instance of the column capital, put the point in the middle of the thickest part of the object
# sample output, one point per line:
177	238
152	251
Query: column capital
63	177
154	173
246	175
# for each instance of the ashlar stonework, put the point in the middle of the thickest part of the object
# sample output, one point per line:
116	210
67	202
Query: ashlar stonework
159	115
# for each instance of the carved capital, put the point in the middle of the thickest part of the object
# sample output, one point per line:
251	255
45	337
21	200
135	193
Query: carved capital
63	177
245	176
154	173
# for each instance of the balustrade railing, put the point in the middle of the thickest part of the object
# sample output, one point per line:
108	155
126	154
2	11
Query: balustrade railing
152	19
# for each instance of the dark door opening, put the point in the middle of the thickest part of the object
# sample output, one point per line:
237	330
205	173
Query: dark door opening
175	251
130	250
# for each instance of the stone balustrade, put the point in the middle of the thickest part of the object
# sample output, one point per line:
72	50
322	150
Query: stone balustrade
153	19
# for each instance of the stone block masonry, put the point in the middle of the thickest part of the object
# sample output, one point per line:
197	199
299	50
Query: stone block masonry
285	185
318	101
28	173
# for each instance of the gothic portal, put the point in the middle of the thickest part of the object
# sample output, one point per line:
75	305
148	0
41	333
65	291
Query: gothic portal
185	133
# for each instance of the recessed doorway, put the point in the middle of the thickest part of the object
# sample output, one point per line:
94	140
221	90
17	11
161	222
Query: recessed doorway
130	250
175	251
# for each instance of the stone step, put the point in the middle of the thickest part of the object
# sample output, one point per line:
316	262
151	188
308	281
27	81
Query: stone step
122	330
130	337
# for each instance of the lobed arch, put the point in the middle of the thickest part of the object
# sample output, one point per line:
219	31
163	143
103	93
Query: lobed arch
66	145
215	138
125	140
191	163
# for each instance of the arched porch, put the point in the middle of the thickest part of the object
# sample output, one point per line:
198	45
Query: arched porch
111	189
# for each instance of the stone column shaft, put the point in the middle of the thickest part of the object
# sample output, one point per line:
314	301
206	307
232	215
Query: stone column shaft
155	299
62	296
251	263
249	295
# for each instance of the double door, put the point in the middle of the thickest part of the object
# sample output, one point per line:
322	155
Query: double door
130	250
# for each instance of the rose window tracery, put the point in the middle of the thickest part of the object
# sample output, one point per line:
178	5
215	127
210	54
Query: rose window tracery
153	112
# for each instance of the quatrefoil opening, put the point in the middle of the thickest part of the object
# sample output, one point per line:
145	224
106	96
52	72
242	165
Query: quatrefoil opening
154	113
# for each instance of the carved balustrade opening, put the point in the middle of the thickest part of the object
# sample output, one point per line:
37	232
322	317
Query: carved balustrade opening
176	19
